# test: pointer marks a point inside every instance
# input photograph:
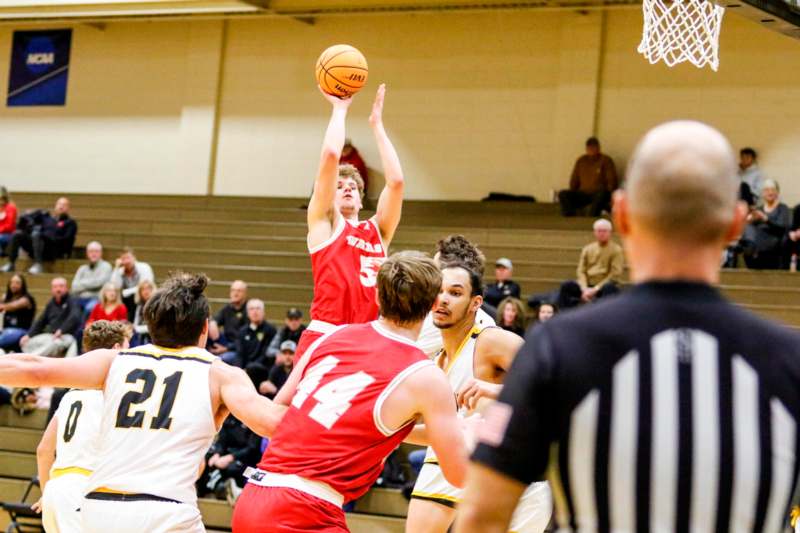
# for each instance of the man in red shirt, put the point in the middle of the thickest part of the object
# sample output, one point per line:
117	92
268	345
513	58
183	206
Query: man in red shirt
355	395
345	252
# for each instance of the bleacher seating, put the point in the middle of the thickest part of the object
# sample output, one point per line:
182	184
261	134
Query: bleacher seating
262	241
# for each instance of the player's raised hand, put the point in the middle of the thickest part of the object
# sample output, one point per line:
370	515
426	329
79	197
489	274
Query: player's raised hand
376	117
335	101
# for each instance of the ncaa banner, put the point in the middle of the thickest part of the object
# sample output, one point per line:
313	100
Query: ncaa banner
39	67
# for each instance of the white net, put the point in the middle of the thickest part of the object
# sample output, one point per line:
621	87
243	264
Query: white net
681	30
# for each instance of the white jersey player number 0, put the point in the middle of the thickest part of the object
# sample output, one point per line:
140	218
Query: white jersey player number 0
334	398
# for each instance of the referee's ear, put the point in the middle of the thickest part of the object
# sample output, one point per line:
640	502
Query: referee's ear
738	223
620	213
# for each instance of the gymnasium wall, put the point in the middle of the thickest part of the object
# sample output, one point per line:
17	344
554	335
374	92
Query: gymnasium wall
475	102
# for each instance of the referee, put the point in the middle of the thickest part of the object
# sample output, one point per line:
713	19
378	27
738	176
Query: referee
666	409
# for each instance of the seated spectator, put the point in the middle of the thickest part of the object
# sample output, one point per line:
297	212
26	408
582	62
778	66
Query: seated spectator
280	371
511	316
90	277
503	287
763	237
128	273
228	321
53	333
141	335
751	176
8	220
350	156
599	270
593	179
19	308
235	448
110	306
43	236
252	342
291	331
546	311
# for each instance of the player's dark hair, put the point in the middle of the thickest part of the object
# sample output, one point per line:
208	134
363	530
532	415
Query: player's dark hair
105	334
748	151
408	284
475	279
457	248
177	312
593	141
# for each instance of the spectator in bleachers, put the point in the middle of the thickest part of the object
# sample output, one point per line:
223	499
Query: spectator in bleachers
43	236
53	333
8	219
511	315
19	308
751	176
546	311
128	273
141	335
235	448
252	343
593	179
504	286
291	331
280	371
763	237
229	321
90	277
110	306
599	270
350	156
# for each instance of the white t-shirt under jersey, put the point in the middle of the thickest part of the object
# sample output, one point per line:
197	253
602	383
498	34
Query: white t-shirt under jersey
430	337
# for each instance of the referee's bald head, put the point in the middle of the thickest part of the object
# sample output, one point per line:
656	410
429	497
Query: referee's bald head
682	183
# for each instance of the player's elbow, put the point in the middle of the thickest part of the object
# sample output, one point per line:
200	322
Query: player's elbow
45	450
330	154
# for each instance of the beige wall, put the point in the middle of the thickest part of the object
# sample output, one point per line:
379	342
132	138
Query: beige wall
476	102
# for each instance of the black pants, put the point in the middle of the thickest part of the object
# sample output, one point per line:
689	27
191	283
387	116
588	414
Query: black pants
569	295
571	201
34	243
210	481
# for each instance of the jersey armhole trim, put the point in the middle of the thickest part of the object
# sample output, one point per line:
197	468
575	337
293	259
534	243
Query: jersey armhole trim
396	381
374	221
330	240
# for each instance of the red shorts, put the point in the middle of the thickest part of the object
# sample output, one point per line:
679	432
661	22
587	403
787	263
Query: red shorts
307	338
281	510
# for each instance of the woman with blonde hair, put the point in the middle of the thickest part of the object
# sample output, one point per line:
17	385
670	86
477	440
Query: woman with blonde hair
141	335
511	315
110	306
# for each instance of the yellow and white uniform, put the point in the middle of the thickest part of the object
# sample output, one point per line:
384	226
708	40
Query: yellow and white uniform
78	421
156	427
535	506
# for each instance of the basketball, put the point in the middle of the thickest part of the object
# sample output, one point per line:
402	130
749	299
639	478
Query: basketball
341	70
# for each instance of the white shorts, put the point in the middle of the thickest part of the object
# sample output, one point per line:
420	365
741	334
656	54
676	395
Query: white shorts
61	501
531	515
101	516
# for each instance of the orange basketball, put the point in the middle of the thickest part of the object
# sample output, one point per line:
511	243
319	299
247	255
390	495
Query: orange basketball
341	70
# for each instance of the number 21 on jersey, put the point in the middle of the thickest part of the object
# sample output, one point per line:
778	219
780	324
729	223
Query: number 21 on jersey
135	419
333	398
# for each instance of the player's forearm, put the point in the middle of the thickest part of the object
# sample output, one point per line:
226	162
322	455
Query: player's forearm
333	143
44	462
390	161
22	370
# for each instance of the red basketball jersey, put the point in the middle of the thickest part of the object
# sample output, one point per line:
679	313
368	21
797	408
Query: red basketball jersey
345	269
332	431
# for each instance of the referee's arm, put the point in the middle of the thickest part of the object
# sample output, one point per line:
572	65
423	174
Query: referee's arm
514	443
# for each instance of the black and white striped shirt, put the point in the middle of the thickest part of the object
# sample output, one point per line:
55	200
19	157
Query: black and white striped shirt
664	409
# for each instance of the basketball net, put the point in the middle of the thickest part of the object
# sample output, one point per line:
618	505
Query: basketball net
681	30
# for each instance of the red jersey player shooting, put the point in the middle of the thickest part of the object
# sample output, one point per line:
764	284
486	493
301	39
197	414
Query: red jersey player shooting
346	252
355	395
